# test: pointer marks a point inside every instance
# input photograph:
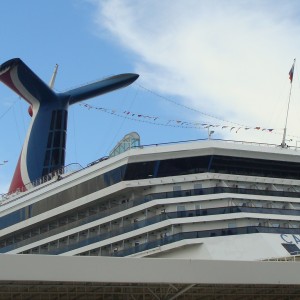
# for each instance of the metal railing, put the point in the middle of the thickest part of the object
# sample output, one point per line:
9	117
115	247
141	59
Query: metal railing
163	217
216	140
201	234
53	176
65	169
166	195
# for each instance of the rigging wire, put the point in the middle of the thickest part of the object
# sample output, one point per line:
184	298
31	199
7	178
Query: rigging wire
22	116
236	129
18	131
206	114
122	123
170	123
8	109
187	107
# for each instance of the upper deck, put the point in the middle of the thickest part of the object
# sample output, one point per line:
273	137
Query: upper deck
209	150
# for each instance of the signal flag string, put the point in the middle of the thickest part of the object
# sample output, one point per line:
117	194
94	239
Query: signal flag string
187	107
235	126
156	120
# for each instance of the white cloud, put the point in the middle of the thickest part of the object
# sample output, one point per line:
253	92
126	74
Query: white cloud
226	58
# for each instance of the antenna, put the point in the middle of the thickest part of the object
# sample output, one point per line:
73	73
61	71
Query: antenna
210	132
52	81
291	74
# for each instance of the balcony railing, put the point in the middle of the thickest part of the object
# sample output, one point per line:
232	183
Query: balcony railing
53	176
166	195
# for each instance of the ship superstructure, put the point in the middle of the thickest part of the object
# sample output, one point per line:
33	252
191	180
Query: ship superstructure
203	199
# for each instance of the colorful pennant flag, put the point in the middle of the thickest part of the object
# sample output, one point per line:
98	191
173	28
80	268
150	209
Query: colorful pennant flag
176	123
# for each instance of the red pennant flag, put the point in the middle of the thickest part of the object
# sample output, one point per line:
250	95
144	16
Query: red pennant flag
291	73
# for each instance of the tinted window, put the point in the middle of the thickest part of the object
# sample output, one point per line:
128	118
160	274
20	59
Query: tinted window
49	144
56	142
52	120
59	120
140	170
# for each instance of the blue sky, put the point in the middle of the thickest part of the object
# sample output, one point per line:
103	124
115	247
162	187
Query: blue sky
227	59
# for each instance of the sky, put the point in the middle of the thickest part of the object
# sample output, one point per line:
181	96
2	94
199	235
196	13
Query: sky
204	65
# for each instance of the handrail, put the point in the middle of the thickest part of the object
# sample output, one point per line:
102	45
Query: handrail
217	140
145	222
154	220
57	175
200	234
168	239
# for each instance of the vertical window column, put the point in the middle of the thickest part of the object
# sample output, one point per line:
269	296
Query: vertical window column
55	153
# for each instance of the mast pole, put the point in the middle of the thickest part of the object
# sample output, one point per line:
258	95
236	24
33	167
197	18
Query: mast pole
52	81
291	74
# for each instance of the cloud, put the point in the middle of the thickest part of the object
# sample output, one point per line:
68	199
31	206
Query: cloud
226	58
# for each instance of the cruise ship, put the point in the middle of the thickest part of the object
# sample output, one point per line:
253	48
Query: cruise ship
204	199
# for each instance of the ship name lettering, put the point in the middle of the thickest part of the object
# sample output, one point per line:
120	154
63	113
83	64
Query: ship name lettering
290	238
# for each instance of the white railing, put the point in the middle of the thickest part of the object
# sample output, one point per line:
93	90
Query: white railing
295	256
53	176
292	147
75	167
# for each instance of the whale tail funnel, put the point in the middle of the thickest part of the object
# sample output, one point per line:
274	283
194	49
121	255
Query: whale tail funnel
22	80
43	151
